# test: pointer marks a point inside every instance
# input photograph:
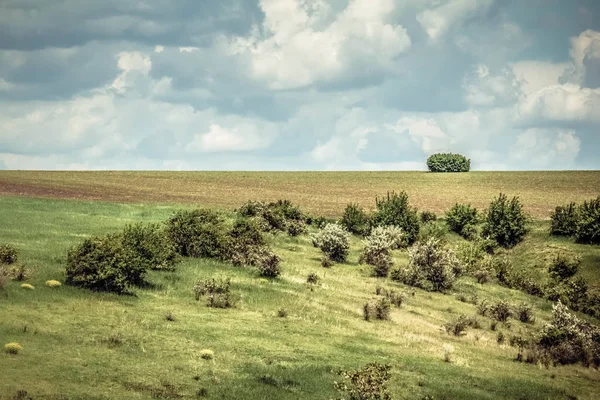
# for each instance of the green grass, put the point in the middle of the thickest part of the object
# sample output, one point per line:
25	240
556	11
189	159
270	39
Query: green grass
323	193
79	344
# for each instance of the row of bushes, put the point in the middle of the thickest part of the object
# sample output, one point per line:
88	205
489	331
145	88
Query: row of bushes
115	262
504	221
579	221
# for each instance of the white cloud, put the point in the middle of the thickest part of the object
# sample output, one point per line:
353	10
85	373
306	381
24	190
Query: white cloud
585	50
566	103
437	21
131	64
424	131
542	148
483	88
243	137
536	75
296	52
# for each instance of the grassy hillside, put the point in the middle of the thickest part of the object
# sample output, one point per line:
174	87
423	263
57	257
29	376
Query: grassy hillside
324	193
83	345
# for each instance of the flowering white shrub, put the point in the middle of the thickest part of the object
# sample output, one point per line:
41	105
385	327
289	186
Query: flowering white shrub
334	241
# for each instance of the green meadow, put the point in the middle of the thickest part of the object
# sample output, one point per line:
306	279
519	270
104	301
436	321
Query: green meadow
79	344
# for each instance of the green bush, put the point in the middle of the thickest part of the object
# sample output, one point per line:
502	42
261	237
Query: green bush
334	241
296	228
367	383
197	233
8	254
458	326
564	220
431	267
500	311
524	313
432	230
448	162
102	263
505	222
378	246
460	216
355	220
268	263
290	211
563	267
427	216
395	210
152	244
380	309
588	223
568	340
218	292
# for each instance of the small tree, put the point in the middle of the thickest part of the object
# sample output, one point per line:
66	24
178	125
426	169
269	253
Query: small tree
505	222
448	162
588	223
355	220
460	216
395	210
564	220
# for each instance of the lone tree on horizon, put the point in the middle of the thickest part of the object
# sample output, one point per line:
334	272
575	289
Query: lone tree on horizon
448	162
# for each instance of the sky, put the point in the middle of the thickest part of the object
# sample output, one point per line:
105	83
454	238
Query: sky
299	84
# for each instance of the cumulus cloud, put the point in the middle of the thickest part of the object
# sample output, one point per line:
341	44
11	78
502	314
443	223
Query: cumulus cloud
438	20
562	103
294	84
484	89
294	50
542	148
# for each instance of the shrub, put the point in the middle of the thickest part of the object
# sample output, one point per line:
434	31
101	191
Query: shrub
53	283
524	313
290	211
355	220
251	209
431	266
19	272
458	326
326	262
377	251
500	311
564	220
8	254
334	241
197	233
268	263
395	210
460	216
282	313
427	216
12	348
505	221
380	309
485	270
564	267
367	383
470	232
569	340
393	297
218	292
247	232
296	228
432	230
448	162
207	354
312	278
470	255
588	224
151	244
102	263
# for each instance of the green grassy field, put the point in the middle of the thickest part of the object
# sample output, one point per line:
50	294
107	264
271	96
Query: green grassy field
79	344
323	193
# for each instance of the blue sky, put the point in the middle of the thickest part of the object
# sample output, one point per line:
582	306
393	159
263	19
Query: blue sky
299	84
